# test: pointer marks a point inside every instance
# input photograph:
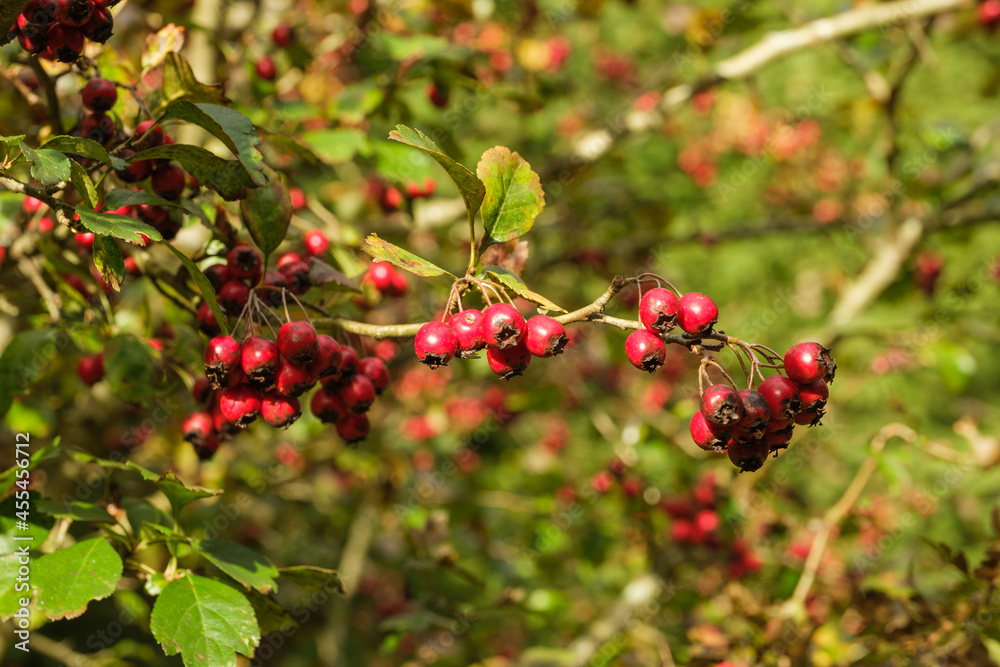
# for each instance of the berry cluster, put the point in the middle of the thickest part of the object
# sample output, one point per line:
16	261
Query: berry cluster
660	310
59	29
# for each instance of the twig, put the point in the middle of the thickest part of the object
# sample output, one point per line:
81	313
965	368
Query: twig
61	652
50	298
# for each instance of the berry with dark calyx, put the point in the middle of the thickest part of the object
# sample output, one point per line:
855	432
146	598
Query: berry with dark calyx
546	337
154	215
297	275
244	264
779	426
808	362
782	396
696	313
265	69
222	357
65	42
721	405
91	368
508	362
374	369
710	437
260	360
813	396
218	275
778	439
101	25
658	310
201	391
279	411
756	413
137	170
276	279
297	342
316	242
207	449
503	326
292	380
353	428
435	344
468	328
349	361
99	127
168	181
99	94
33	44
358	393
38	14
645	350
155	137
748	455
327	359
282	36
206	320
74	12
438	95
233	296
198	428
326	406
240	404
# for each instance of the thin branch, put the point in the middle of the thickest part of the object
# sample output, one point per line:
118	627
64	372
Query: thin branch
52	109
50	298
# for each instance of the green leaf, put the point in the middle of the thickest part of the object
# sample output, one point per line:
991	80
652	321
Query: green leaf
109	261
205	621
271	616
180	494
68	579
204	287
227	125
227	177
25	361
387	252
7	143
290	145
8	476
38	526
10	599
513	196
75	510
313	578
84	186
509	279
119	226
337	145
119	197
47	166
246	566
87	148
130	370
267	210
179	82
472	188
86	457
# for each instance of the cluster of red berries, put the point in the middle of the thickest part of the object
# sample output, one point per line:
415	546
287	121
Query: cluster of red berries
500	329
386	278
390	198
660	310
752	423
59	29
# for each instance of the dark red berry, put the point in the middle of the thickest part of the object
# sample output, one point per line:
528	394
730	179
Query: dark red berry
33	44
282	36
326	406
721	405
201	391
207	321
778	439
99	127
297	275
74	12
756	413
348	361
438	95
358	393
435	344
240	404
813	396
260	360
293	380
168	181
244	264
99	94
503	326
748	455
645	350
782	396
233	296
221	357
273	297
379	275
136	170
218	275
327	359
297	342
207	449
100	27
279	411
316	242
65	42
38	14
397	284
198	428
710	437
546	337
155	137
658	310
696	313
508	362
91	368
468	328
265	68
374	369
808	362
353	427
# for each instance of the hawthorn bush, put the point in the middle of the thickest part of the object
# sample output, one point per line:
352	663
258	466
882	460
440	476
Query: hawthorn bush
323	329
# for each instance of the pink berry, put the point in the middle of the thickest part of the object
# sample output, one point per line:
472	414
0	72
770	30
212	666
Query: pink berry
546	337
435	344
696	313
645	350
316	242
658	310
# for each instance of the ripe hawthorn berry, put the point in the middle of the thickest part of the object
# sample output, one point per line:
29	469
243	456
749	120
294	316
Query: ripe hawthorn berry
696	313
778	439
168	181
508	362
808	362
645	350
503	326
292	380
316	242
353	428
748	455
327	406
327	359
658	310
348	361
201	391
207	449
101	25
99	94
99	127
297	275
375	370
397	284
137	170
206	320
222	357
244	264
91	368
260	360
278	410
84	241
265	69
65	43
710	437
379	275
988	13
198	427
74	13
782	396
721	405
282	36
240	405
813	396
155	137
756	413
358	393
435	344
233	296
298	342
546	337
468	328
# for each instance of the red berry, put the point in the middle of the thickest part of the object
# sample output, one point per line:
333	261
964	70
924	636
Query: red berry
198	428
260	360
682	530
91	368
397	284
244	264
468	328
748	455
100	26
327	359
99	127
316	242
813	396
391	198
348	361
208	448
201	391
155	137
645	350
375	370
326	406
298	198
74	12
282	36
279	411
65	43
233	296
710	437
99	94
222	357
602	481
265	68
435	344
297	275
437	95
358	393
778	439
808	362
168	181
3	254
756	413
782	396
287	259
508	362
297	342
137	170
546	337
380	276
240	404
696	313
658	310
988	13
30	205
706	521
84	241
353	427
503	326
293	380
722	405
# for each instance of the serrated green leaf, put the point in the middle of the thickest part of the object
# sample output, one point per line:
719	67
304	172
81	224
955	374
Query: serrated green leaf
387	252
313	578
509	279
25	361
87	148
267	210
38	525
180	494
83	185
473	189
271	616
129	369
513	199
205	621
48	167
68	579
204	287
337	145
227	177
7	143
227	125
119	226
76	510
109	261
179	82
245	565
10	599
